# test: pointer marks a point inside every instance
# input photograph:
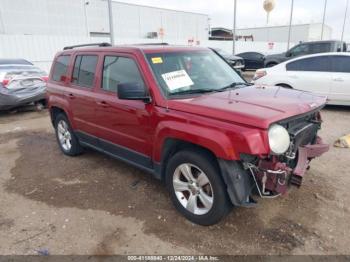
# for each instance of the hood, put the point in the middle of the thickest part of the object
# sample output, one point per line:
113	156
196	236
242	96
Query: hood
257	106
233	57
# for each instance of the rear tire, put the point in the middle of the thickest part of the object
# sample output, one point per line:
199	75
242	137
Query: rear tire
67	140
271	64
196	187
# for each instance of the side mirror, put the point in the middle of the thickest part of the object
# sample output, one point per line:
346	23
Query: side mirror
133	91
288	54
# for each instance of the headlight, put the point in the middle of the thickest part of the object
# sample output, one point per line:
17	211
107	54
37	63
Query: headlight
279	139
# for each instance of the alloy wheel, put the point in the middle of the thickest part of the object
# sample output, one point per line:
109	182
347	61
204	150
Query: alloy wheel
193	189
64	135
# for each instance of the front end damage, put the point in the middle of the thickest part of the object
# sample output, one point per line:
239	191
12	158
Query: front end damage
271	175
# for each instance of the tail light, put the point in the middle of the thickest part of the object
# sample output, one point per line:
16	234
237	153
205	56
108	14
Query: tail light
45	78
5	82
259	74
7	79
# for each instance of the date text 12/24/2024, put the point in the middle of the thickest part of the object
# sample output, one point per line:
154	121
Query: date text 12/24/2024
173	258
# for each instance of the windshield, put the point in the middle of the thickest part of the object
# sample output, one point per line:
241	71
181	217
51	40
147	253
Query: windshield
192	72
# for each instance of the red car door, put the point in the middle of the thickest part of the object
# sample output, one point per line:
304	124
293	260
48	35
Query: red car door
124	125
81	95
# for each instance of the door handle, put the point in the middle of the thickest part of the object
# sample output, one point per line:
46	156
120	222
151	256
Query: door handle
71	96
102	103
338	79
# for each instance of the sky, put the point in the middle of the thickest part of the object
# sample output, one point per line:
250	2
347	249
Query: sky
250	13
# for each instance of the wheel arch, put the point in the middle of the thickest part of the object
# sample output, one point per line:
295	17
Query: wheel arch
55	111
173	145
271	62
285	85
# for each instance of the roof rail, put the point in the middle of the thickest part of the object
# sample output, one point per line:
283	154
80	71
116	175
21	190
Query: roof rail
84	45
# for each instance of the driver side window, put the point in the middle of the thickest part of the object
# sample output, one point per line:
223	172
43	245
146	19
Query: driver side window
119	70
300	50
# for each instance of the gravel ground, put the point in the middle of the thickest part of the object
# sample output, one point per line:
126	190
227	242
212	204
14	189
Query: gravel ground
93	204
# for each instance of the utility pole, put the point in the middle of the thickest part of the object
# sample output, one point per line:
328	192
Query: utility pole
86	19
346	13
324	17
110	17
234	27
290	23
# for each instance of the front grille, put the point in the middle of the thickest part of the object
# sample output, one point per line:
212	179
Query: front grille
303	134
302	131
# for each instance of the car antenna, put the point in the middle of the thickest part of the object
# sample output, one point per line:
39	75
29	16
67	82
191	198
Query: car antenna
230	101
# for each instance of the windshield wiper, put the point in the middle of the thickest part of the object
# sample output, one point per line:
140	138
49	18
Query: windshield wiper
233	85
193	91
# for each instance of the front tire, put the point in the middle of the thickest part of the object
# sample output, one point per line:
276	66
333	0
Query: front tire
68	142
196	187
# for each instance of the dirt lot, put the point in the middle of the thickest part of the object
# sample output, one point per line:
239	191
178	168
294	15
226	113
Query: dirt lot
93	204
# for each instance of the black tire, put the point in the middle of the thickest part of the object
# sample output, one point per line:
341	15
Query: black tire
271	64
76	148
285	86
221	204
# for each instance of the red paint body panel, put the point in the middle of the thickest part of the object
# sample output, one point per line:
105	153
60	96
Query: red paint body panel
227	123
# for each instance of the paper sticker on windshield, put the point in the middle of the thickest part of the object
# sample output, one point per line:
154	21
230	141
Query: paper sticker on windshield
157	60
177	79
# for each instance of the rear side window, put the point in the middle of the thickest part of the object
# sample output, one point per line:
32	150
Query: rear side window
60	67
314	64
84	70
320	48
119	70
341	64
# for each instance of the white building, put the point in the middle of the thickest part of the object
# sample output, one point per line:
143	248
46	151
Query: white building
90	18
36	29
302	32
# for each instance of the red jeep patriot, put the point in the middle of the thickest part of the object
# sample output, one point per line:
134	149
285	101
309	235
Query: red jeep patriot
185	116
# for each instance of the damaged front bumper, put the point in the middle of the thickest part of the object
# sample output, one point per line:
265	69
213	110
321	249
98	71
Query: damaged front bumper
273	177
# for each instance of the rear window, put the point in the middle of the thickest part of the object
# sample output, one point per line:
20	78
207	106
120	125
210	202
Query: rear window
341	64
314	64
84	70
60	67
320	48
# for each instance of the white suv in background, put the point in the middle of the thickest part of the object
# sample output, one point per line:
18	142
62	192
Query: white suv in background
325	74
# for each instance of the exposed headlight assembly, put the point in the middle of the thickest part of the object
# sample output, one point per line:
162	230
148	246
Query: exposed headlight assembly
279	139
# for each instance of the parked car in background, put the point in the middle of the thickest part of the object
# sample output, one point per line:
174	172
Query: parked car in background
253	60
9	61
22	83
235	61
306	48
324	74
10	69
185	116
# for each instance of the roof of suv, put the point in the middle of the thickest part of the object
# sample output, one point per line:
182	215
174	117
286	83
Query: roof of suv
322	41
132	48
